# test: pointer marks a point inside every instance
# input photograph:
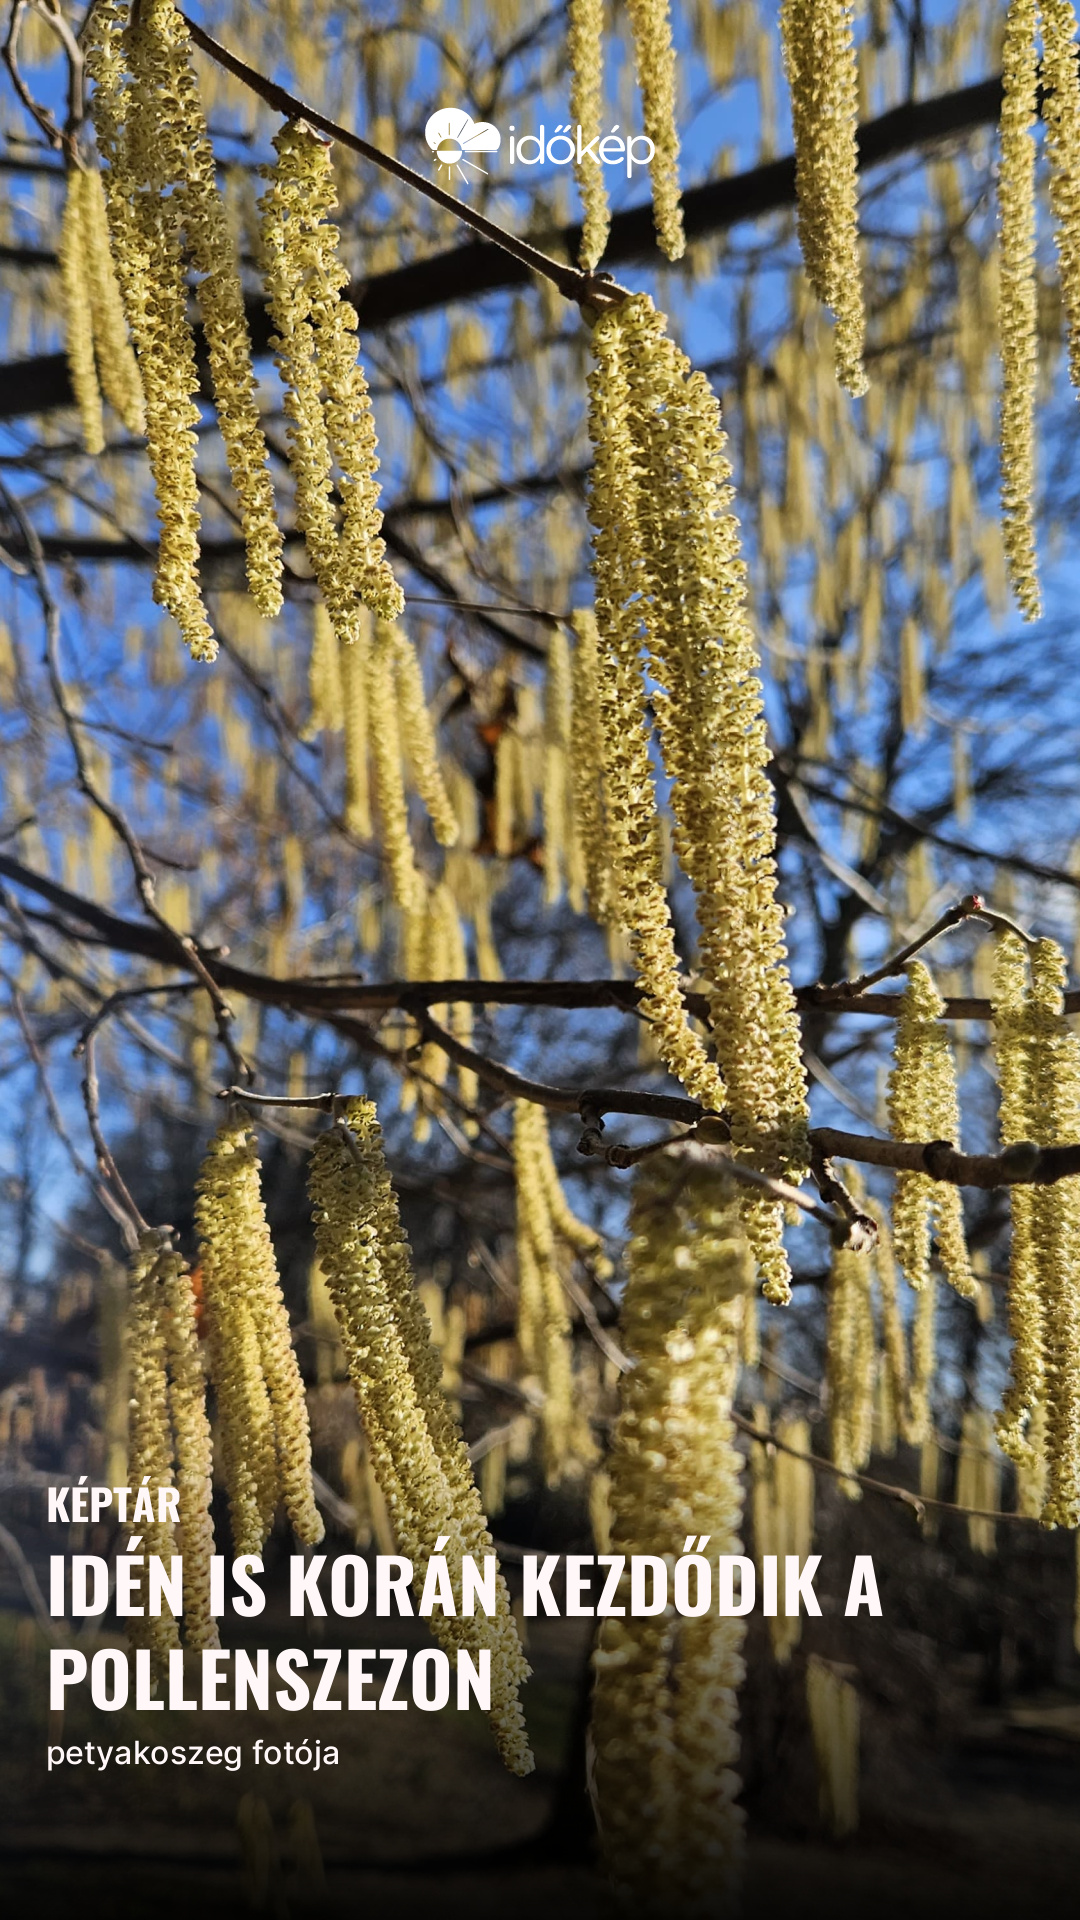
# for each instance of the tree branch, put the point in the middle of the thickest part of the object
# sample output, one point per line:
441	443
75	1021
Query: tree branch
41	382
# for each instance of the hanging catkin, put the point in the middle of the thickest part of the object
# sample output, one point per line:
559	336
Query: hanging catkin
117	367
1040	1068
78	314
1018	310
819	58
923	1106
783	1510
260	1393
326	699
664	1702
146	251
543	1329
850	1354
150	1441
668	560
418	738
833	1705
978	1477
326	397
1061	117
352	666
654	61
590	817
585	47
414	1443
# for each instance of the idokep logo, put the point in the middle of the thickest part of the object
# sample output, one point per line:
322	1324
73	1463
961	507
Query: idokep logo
453	135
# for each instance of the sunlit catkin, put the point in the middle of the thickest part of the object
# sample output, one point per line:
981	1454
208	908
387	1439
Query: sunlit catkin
414	1443
1018	309
668	563
923	1106
654	61
238	1260
585	50
850	1354
331	430
78	314
1026	1307
665	1695
245	1415
192	1444
833	1705
150	1442
586	773
326	700
1040	1067
118	369
819	57
172	152
352	667
923	1364
146	252
419	739
543	1316
1061	117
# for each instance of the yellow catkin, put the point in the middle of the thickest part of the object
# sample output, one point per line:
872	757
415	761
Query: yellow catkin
978	1477
544	1318
172	140
558	724
1039	1058
665	1694
654	61
384	734
585	50
78	314
850	1355
352	665
667	558
245	1416
1025	1302
833	1706
783	1511
419	740
238	1260
893	1339
923	1364
414	1443
1018	307
117	366
923	1105
819	58
150	1440
146	252
193	1445
1061	118
590	823
327	405
326	699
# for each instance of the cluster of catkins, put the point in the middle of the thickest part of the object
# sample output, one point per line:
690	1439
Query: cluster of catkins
166	214
544	1219
654	61
419	1457
415	1447
674	640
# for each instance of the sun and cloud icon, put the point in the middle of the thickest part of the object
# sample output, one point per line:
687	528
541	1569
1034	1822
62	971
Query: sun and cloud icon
453	136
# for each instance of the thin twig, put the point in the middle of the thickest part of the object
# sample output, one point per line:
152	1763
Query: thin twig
916	1501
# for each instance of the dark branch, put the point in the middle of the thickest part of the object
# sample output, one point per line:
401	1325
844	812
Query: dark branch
41	382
